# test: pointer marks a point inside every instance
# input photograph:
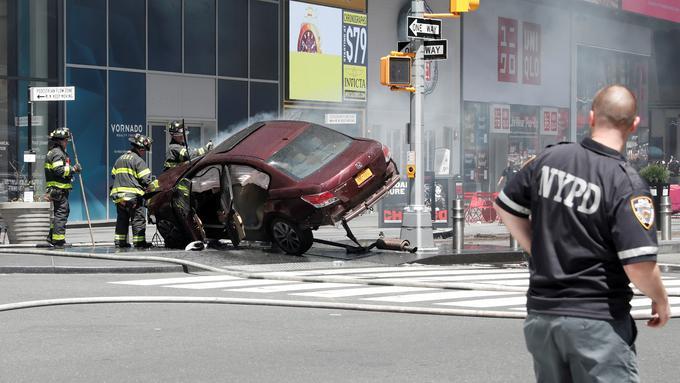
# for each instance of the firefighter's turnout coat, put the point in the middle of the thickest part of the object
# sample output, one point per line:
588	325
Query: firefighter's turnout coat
131	178
58	172
178	154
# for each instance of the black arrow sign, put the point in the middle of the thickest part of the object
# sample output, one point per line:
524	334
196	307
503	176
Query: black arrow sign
419	28
436	49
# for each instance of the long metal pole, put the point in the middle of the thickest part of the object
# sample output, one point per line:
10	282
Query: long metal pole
417	222
29	133
82	190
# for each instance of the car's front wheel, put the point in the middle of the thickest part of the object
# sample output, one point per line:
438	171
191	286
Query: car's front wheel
290	237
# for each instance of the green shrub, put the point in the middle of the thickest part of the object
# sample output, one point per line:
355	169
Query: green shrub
655	174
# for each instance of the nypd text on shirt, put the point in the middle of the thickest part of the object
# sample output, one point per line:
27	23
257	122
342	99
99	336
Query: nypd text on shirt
570	190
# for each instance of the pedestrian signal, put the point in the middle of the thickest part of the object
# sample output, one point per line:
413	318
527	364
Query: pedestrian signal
395	71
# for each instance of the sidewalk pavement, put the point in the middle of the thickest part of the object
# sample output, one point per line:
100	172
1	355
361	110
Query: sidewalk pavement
484	243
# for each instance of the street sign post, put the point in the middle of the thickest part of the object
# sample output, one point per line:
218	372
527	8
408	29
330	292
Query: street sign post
435	49
421	28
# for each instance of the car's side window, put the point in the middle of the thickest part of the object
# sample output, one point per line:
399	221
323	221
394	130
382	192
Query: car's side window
207	179
244	175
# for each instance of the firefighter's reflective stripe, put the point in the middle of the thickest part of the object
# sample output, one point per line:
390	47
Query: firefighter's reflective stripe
117	171
53	165
183	152
201	151
139	238
58	237
125	189
55	184
154	185
67	170
120	237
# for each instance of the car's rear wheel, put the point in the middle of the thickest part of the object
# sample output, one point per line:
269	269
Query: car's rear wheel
290	237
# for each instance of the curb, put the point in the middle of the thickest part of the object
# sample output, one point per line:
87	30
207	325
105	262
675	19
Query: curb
91	270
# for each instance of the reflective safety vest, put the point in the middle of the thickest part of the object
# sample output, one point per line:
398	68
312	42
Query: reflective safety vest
131	178
58	172
178	154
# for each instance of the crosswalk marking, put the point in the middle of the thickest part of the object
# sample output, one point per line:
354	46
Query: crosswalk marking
473	299
426	297
507	282
219	285
361	291
168	281
294	287
458	278
675	311
470	273
492	302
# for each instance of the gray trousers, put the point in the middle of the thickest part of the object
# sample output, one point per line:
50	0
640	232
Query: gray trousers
581	350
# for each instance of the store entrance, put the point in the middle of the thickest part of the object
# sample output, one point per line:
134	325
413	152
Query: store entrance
199	134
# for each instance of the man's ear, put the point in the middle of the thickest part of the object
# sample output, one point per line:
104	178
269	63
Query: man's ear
591	118
636	123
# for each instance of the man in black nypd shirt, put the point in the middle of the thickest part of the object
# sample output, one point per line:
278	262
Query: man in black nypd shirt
587	220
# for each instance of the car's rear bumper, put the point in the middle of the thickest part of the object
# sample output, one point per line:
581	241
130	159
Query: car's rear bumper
370	201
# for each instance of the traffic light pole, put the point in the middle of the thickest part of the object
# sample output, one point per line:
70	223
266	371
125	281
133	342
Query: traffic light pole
416	225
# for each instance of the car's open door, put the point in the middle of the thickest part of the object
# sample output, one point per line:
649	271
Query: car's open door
232	219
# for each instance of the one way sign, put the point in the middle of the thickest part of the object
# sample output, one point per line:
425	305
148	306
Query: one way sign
419	28
436	49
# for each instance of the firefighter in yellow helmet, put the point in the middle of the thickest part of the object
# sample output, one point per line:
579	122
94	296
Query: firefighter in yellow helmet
58	178
131	180
178	151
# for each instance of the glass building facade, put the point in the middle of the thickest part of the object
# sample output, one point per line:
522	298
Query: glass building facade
136	65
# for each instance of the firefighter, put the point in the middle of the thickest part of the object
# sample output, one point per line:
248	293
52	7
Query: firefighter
58	177
178	151
131	180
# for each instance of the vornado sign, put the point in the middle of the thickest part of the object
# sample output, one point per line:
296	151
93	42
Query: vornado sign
127	128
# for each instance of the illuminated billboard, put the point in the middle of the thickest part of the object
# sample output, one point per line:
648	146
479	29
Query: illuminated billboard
327	53
315	52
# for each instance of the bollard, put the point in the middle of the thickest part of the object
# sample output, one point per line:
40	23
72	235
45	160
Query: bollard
665	217
458	224
514	244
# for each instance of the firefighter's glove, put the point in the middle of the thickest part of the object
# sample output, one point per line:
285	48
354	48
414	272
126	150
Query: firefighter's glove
209	145
77	168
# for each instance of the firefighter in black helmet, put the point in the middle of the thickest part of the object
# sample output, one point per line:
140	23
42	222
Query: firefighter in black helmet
131	180
178	151
58	177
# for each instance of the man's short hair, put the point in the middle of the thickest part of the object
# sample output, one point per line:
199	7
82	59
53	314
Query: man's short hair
616	105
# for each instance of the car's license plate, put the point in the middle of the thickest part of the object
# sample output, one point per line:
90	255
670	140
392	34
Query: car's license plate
363	176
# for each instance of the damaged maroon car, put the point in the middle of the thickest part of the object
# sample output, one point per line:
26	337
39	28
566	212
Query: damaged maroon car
274	181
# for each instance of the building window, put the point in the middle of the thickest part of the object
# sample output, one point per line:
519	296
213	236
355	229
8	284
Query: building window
127	34
232	44
165	35
233	107
86	32
199	36
264	40
86	118
264	98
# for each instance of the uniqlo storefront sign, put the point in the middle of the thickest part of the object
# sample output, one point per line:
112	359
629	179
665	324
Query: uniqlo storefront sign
513	60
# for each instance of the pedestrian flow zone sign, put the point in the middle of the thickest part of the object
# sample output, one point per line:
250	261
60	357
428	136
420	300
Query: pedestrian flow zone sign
435	49
53	93
420	28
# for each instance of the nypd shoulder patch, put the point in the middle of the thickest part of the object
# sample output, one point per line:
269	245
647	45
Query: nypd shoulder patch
643	208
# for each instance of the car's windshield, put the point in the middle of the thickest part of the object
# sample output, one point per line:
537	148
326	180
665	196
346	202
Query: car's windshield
310	151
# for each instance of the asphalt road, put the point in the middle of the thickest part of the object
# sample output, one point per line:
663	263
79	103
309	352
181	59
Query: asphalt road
218	343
